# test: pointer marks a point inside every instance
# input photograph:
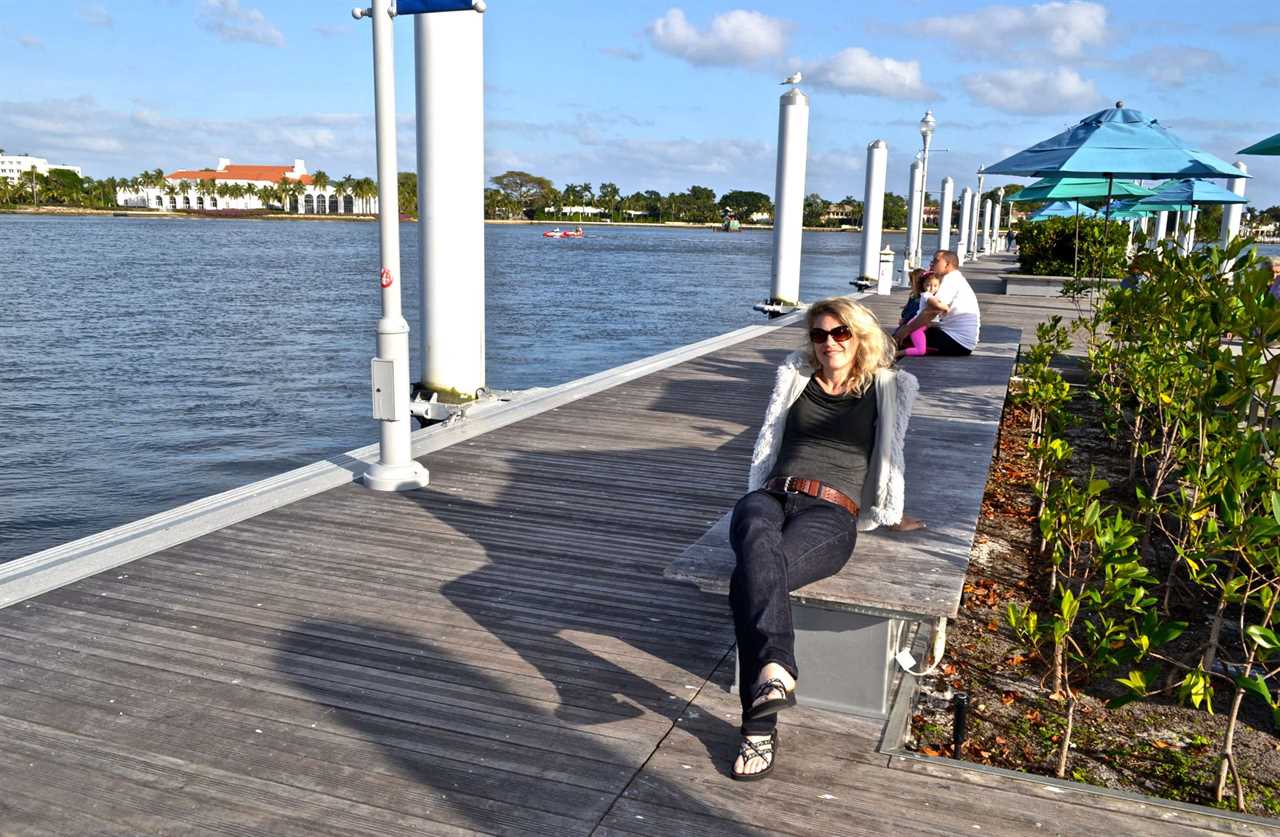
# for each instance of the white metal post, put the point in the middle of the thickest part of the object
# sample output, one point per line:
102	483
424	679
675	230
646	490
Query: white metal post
449	49
1189	233
395	469
944	213
1232	212
1159	229
915	176
995	229
966	210
977	219
986	225
788	222
873	213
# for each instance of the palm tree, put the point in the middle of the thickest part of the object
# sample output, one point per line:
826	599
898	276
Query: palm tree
321	181
206	188
171	192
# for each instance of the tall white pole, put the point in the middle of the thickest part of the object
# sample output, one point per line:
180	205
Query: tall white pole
1189	234
449	48
1158	231
986	225
944	213
395	469
913	215
966	211
873	210
793	147
1232	212
918	245
995	229
977	218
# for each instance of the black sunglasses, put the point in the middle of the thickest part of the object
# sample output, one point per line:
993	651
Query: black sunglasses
840	334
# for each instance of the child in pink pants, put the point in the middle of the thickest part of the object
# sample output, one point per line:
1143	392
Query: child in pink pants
923	285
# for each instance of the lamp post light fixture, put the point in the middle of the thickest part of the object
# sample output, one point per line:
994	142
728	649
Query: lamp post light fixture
927	126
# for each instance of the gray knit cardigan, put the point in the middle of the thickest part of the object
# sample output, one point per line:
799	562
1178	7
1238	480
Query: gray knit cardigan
884	490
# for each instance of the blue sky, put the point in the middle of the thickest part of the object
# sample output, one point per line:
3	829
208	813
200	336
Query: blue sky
646	94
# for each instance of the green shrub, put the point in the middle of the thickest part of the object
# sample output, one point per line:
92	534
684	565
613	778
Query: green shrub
1048	248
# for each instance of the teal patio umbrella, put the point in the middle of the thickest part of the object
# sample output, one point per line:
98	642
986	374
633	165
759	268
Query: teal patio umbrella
1186	194
1062	209
1270	145
1075	188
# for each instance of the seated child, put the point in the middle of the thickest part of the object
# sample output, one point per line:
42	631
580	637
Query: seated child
923	285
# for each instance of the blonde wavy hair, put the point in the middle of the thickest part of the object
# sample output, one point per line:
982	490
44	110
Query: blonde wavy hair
875	349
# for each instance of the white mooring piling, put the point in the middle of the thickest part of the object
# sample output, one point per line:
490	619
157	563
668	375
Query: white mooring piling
996	212
987	210
977	218
873	214
966	211
1232	212
1159	229
793	146
395	469
449	48
944	213
914	215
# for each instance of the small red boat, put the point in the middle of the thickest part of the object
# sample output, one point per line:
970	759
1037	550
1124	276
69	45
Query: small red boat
559	233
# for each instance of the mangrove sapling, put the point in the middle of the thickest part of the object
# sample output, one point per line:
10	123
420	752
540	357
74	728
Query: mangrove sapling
1103	592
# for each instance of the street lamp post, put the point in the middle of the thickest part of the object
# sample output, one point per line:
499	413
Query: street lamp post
927	125
974	247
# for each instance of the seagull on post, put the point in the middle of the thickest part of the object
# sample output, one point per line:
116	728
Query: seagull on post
794	78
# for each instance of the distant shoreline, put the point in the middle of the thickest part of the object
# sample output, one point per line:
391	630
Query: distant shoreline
72	211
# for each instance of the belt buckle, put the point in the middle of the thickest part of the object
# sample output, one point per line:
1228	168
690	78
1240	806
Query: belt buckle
786	486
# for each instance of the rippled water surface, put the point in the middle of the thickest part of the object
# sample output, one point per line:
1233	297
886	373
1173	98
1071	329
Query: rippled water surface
146	362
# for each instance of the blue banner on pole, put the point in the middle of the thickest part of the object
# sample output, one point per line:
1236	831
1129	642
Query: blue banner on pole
419	7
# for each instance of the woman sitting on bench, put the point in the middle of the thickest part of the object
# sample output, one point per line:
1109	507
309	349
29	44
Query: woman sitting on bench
828	462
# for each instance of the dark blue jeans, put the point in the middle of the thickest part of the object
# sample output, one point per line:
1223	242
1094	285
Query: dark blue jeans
783	542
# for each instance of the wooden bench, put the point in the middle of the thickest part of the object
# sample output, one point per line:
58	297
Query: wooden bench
850	626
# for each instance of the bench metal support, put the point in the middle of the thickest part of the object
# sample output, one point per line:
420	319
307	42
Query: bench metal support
845	659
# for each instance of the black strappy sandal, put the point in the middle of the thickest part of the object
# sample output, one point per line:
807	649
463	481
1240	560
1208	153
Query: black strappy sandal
767	750
770	707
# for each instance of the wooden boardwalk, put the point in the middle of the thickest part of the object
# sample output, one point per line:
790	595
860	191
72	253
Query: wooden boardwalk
499	653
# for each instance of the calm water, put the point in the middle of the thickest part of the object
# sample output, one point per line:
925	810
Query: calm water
149	362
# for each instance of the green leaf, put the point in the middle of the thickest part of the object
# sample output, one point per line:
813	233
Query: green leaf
1263	637
1257	686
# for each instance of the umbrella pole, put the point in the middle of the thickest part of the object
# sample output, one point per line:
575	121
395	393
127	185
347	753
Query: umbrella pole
1075	257
1106	229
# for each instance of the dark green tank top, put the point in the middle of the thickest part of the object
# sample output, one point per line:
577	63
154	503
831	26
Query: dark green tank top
829	438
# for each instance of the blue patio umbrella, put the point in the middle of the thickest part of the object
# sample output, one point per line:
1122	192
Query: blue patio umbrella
1056	188
1116	142
1062	209
1187	193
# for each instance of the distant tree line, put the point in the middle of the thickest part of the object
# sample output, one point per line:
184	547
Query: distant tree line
62	187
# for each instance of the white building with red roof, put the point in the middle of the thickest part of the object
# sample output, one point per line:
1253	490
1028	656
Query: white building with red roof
233	186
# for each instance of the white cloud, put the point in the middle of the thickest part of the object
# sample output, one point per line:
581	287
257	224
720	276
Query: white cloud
30	42
80	131
1033	91
230	22
736	37
856	71
1063	29
1192	64
95	14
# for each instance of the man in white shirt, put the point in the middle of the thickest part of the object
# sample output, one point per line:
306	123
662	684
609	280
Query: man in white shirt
950	317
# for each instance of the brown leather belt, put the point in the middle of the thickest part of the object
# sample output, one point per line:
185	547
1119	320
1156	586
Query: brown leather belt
813	488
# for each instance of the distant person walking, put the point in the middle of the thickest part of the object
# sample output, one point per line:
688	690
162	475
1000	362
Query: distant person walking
1275	271
950	317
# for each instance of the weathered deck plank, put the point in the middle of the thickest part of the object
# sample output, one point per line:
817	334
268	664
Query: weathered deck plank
496	654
